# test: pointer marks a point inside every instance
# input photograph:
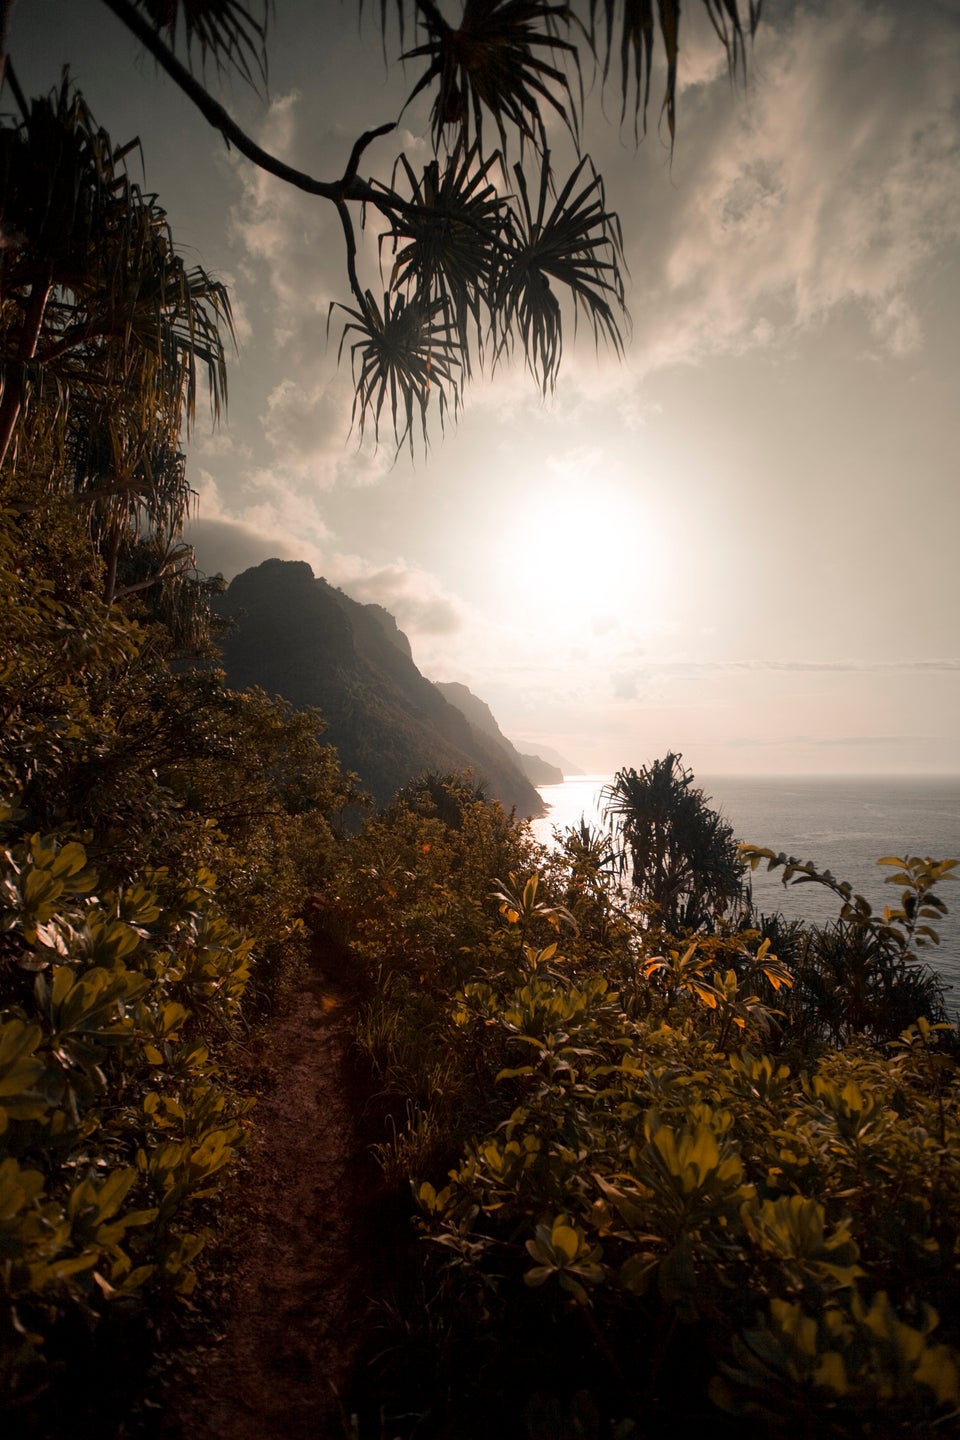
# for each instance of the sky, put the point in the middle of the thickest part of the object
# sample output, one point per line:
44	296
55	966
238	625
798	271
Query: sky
736	541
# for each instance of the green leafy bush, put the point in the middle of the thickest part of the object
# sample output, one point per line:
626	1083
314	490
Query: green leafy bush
160	836
113	1109
665	1166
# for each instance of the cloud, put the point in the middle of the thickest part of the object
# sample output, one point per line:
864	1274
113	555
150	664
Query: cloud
815	667
416	598
281	525
627	685
861	665
295	260
625	673
223	444
242	327
831	184
275	523
294	239
852	666
308	427
228	547
824	187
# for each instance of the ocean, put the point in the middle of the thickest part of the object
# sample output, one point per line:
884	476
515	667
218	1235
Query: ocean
842	824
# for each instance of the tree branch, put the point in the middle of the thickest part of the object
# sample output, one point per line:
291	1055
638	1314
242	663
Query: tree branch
351	244
127	590
349	188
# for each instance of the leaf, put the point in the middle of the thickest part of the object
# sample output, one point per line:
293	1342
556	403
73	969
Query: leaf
226	31
49	936
501	60
447	240
565	1240
539	1274
637	1272
405	351
576	243
831	1372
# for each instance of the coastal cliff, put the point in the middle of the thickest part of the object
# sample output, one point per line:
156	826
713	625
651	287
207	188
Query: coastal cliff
299	637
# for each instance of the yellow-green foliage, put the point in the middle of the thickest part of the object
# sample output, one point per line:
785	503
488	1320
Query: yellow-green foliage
158	838
113	1109
644	1162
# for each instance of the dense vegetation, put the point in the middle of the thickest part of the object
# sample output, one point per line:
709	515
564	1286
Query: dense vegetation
159	831
666	1162
660	1177
158	834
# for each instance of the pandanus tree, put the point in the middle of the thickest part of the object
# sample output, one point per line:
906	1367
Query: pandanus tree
681	856
491	250
104	331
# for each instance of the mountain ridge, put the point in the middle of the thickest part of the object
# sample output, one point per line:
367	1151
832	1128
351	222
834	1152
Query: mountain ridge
480	716
294	635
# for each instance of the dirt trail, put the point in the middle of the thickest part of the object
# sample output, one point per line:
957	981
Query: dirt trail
296	1308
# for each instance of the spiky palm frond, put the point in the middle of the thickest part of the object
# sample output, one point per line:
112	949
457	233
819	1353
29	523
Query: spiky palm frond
99	251
58	190
103	321
130	481
125	479
171	320
638	29
728	23
226	31
578	244
406	351
57	185
447	240
502	59
399	9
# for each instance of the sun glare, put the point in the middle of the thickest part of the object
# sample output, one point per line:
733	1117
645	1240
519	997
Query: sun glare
579	561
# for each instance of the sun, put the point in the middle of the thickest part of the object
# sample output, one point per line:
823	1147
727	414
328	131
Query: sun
578	560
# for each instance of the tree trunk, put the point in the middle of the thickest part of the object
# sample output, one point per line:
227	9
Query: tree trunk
15	386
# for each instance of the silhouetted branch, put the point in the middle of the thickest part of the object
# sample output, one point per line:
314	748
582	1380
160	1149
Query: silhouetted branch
348	188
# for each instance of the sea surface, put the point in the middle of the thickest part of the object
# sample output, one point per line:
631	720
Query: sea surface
842	824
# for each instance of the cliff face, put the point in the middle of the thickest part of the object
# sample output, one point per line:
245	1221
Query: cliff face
480	716
298	637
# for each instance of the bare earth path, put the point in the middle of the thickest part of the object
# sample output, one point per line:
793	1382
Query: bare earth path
297	1305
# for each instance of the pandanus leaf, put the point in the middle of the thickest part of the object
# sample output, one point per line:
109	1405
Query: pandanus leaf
503	60
446	241
637	38
401	352
225	30
574	241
